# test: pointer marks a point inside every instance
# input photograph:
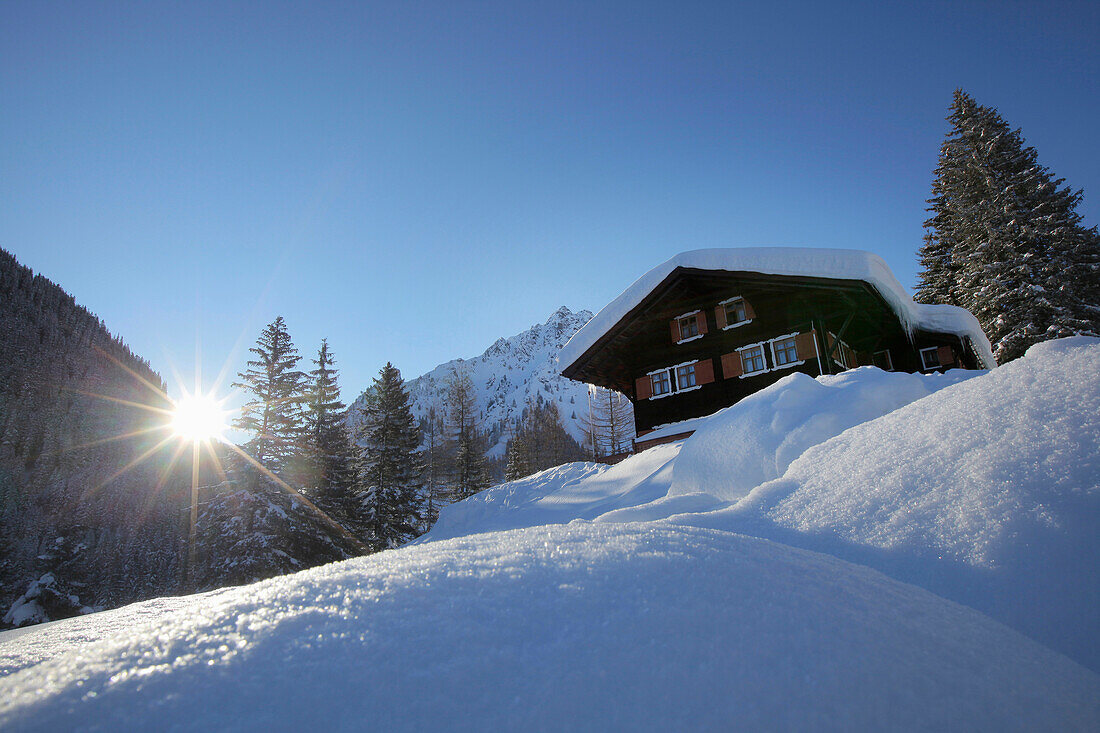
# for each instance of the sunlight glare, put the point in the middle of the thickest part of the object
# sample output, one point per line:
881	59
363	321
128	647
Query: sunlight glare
199	418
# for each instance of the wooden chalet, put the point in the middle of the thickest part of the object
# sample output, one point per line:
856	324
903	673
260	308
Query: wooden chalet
710	327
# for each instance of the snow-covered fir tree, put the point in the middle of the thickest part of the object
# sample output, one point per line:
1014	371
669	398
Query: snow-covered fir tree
1005	240
273	414
388	467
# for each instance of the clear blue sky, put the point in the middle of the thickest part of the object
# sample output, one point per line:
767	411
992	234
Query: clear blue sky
413	180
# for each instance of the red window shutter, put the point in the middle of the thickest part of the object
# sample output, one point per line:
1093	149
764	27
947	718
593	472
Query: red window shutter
720	317
947	356
749	312
675	330
643	388
701	321
732	366
704	371
805	345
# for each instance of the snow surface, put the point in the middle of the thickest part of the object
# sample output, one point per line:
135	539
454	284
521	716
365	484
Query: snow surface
870	585
582	626
986	491
847	264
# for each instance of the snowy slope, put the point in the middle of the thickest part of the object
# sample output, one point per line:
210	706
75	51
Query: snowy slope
508	374
584	626
985	491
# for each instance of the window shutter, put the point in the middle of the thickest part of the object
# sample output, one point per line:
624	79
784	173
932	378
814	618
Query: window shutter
720	317
749	312
701	321
675	330
704	371
732	366
947	356
643	388
805	345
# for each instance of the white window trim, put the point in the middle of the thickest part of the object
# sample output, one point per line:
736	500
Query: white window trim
695	312
728	326
673	381
924	367
889	359
775	362
763	352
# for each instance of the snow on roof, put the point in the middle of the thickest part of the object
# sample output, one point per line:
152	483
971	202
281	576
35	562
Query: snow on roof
845	264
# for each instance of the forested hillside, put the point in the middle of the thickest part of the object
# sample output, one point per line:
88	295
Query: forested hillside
72	532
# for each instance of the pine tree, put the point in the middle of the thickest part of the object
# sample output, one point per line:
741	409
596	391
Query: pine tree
517	457
328	445
468	475
388	467
274	413
433	459
1005	240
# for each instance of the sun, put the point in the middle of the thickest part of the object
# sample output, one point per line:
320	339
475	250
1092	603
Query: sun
199	418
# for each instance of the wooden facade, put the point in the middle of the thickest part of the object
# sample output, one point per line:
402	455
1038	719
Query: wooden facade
704	339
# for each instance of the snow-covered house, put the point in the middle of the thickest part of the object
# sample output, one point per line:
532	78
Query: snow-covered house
709	327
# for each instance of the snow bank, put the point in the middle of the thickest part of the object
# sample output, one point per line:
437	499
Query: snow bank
987	492
754	440
847	264
595	627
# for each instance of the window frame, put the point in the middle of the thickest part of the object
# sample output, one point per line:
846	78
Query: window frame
724	306
924	366
671	377
763	359
692	317
794	345
889	360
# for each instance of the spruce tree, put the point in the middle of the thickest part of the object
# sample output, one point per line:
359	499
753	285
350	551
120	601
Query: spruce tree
328	445
388	466
1005	240
273	414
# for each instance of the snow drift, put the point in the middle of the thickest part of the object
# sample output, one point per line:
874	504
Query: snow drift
584	626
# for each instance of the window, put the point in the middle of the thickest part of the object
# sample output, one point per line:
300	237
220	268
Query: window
752	359
844	356
930	357
661	384
882	360
685	376
735	312
784	351
689	327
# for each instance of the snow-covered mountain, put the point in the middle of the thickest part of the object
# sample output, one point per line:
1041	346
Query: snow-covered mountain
507	375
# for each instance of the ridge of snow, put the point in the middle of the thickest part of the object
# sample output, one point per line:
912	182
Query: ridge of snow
582	626
847	264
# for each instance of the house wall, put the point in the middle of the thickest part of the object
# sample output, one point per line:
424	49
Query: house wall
777	309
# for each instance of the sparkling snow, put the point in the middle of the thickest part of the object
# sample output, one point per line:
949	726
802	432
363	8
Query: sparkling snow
868	581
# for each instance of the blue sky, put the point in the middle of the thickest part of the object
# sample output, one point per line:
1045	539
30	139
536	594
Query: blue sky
413	180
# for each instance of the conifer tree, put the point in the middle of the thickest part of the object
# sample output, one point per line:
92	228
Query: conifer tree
328	444
1005	240
388	466
517	457
276	388
469	475
433	459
